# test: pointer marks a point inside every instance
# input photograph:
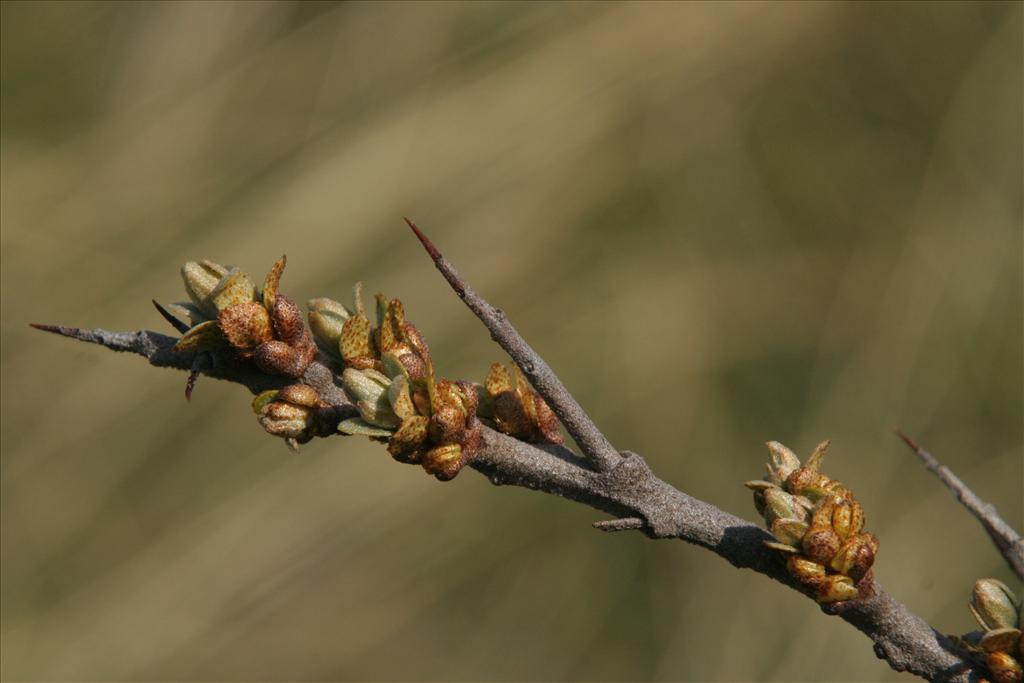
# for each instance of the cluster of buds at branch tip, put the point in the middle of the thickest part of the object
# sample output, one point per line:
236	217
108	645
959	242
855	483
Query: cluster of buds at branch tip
517	410
227	311
292	413
1000	647
817	522
389	376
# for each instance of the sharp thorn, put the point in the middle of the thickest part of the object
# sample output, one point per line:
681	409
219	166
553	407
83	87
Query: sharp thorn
907	440
172	319
190	384
424	240
58	329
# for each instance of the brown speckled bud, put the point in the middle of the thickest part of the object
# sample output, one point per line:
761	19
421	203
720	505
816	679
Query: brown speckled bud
245	325
472	438
286	420
300	395
835	588
803	569
233	289
444	462
279	358
408	443
547	421
446	424
821	544
1004	668
356	345
855	557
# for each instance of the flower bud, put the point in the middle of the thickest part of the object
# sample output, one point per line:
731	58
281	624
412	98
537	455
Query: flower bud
326	319
780	505
200	278
286	419
444	462
994	605
245	325
1004	668
234	288
781	462
364	385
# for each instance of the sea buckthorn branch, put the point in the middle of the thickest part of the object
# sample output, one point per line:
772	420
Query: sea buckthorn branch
623	487
1005	538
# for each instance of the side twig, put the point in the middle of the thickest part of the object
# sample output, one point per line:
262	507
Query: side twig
1005	538
584	432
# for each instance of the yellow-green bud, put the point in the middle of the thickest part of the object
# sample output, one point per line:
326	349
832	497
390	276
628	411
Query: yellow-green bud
326	319
994	605
233	288
781	462
368	389
200	279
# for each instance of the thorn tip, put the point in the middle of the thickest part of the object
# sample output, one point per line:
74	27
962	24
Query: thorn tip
424	240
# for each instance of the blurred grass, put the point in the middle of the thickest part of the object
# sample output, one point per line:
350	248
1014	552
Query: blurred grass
720	223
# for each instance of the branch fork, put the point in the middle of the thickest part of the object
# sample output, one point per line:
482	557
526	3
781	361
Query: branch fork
621	485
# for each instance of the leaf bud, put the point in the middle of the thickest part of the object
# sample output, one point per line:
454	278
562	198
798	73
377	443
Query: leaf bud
781	462
326	320
234	288
201	277
994	605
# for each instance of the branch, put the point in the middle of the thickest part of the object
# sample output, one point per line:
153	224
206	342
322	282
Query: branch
156	348
629	491
584	432
1008	541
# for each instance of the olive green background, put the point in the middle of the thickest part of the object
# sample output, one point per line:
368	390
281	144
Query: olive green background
719	223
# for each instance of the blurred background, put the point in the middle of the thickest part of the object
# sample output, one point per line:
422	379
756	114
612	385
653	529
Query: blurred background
719	223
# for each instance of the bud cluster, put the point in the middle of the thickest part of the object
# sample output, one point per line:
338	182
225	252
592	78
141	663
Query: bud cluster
1001	645
227	311
389	377
817	522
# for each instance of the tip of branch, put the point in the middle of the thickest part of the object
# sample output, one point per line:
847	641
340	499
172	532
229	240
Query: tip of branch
171	318
907	440
74	332
424	240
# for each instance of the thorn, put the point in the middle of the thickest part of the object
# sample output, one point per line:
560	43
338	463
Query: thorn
907	440
190	384
427	244
624	524
169	317
58	329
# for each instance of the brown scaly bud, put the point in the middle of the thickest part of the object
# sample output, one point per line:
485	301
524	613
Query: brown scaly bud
1004	668
266	327
290	413
517	409
817	522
